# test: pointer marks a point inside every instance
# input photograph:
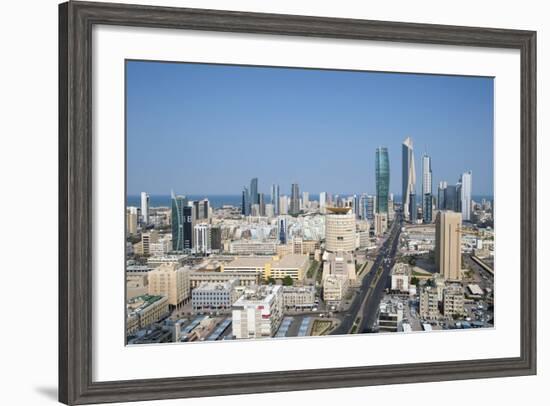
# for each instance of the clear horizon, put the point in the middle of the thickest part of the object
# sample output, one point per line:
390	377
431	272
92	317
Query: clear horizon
204	129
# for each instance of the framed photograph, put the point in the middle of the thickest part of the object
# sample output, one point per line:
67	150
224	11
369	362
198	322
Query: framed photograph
259	202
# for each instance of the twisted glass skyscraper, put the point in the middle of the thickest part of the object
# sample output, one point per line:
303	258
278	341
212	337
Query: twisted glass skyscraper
382	171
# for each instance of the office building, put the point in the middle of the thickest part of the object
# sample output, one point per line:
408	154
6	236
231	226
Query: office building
203	239
281	229
144	208
170	281
214	296
283	205
292	265
382	172
182	224
245	202
452	197
466	196
275	199
441	190
216	239
298	297
371	207
322	202
426	189
305	200
253	247
202	209
245	278
409	181
294	200
339	229
258	312
254	198
448	257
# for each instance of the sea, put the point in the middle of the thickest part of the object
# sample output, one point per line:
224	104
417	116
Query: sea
218	201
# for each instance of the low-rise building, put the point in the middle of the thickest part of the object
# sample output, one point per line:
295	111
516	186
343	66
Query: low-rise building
390	316
142	311
214	296
156	261
334	289
293	265
253	247
453	301
298	297
196	278
429	304
400	277
258	312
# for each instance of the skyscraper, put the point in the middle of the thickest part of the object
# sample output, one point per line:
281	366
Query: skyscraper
466	195
427	189
382	171
294	200
339	230
441	190
371	207
281	229
448	256
180	209
245	209
275	198
144	208
322	201
363	204
451	199
203	242
254	198
305	199
409	180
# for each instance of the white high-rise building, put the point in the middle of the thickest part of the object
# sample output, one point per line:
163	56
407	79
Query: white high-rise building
409	181
305	199
144	208
203	239
466	195
427	188
322	201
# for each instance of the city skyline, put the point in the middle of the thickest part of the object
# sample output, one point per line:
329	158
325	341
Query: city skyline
282	147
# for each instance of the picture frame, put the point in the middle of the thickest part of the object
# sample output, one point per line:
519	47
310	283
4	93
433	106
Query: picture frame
76	384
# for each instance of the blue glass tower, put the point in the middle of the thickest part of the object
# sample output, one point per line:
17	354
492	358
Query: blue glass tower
382	171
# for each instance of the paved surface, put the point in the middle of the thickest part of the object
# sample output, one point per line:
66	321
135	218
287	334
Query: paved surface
372	278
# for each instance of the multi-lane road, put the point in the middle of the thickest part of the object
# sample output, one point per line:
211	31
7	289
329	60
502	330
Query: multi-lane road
365	304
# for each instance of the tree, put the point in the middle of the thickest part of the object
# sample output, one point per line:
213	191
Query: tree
412	261
270	281
414	280
287	281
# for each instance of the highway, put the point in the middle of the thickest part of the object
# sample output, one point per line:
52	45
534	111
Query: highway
372	285
381	280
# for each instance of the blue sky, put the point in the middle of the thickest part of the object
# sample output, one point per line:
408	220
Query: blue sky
208	129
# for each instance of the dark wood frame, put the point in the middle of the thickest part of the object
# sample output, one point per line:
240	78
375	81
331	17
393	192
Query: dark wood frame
75	212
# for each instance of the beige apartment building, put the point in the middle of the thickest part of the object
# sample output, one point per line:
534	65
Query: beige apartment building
429	304
453	301
142	311
171	281
448	257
